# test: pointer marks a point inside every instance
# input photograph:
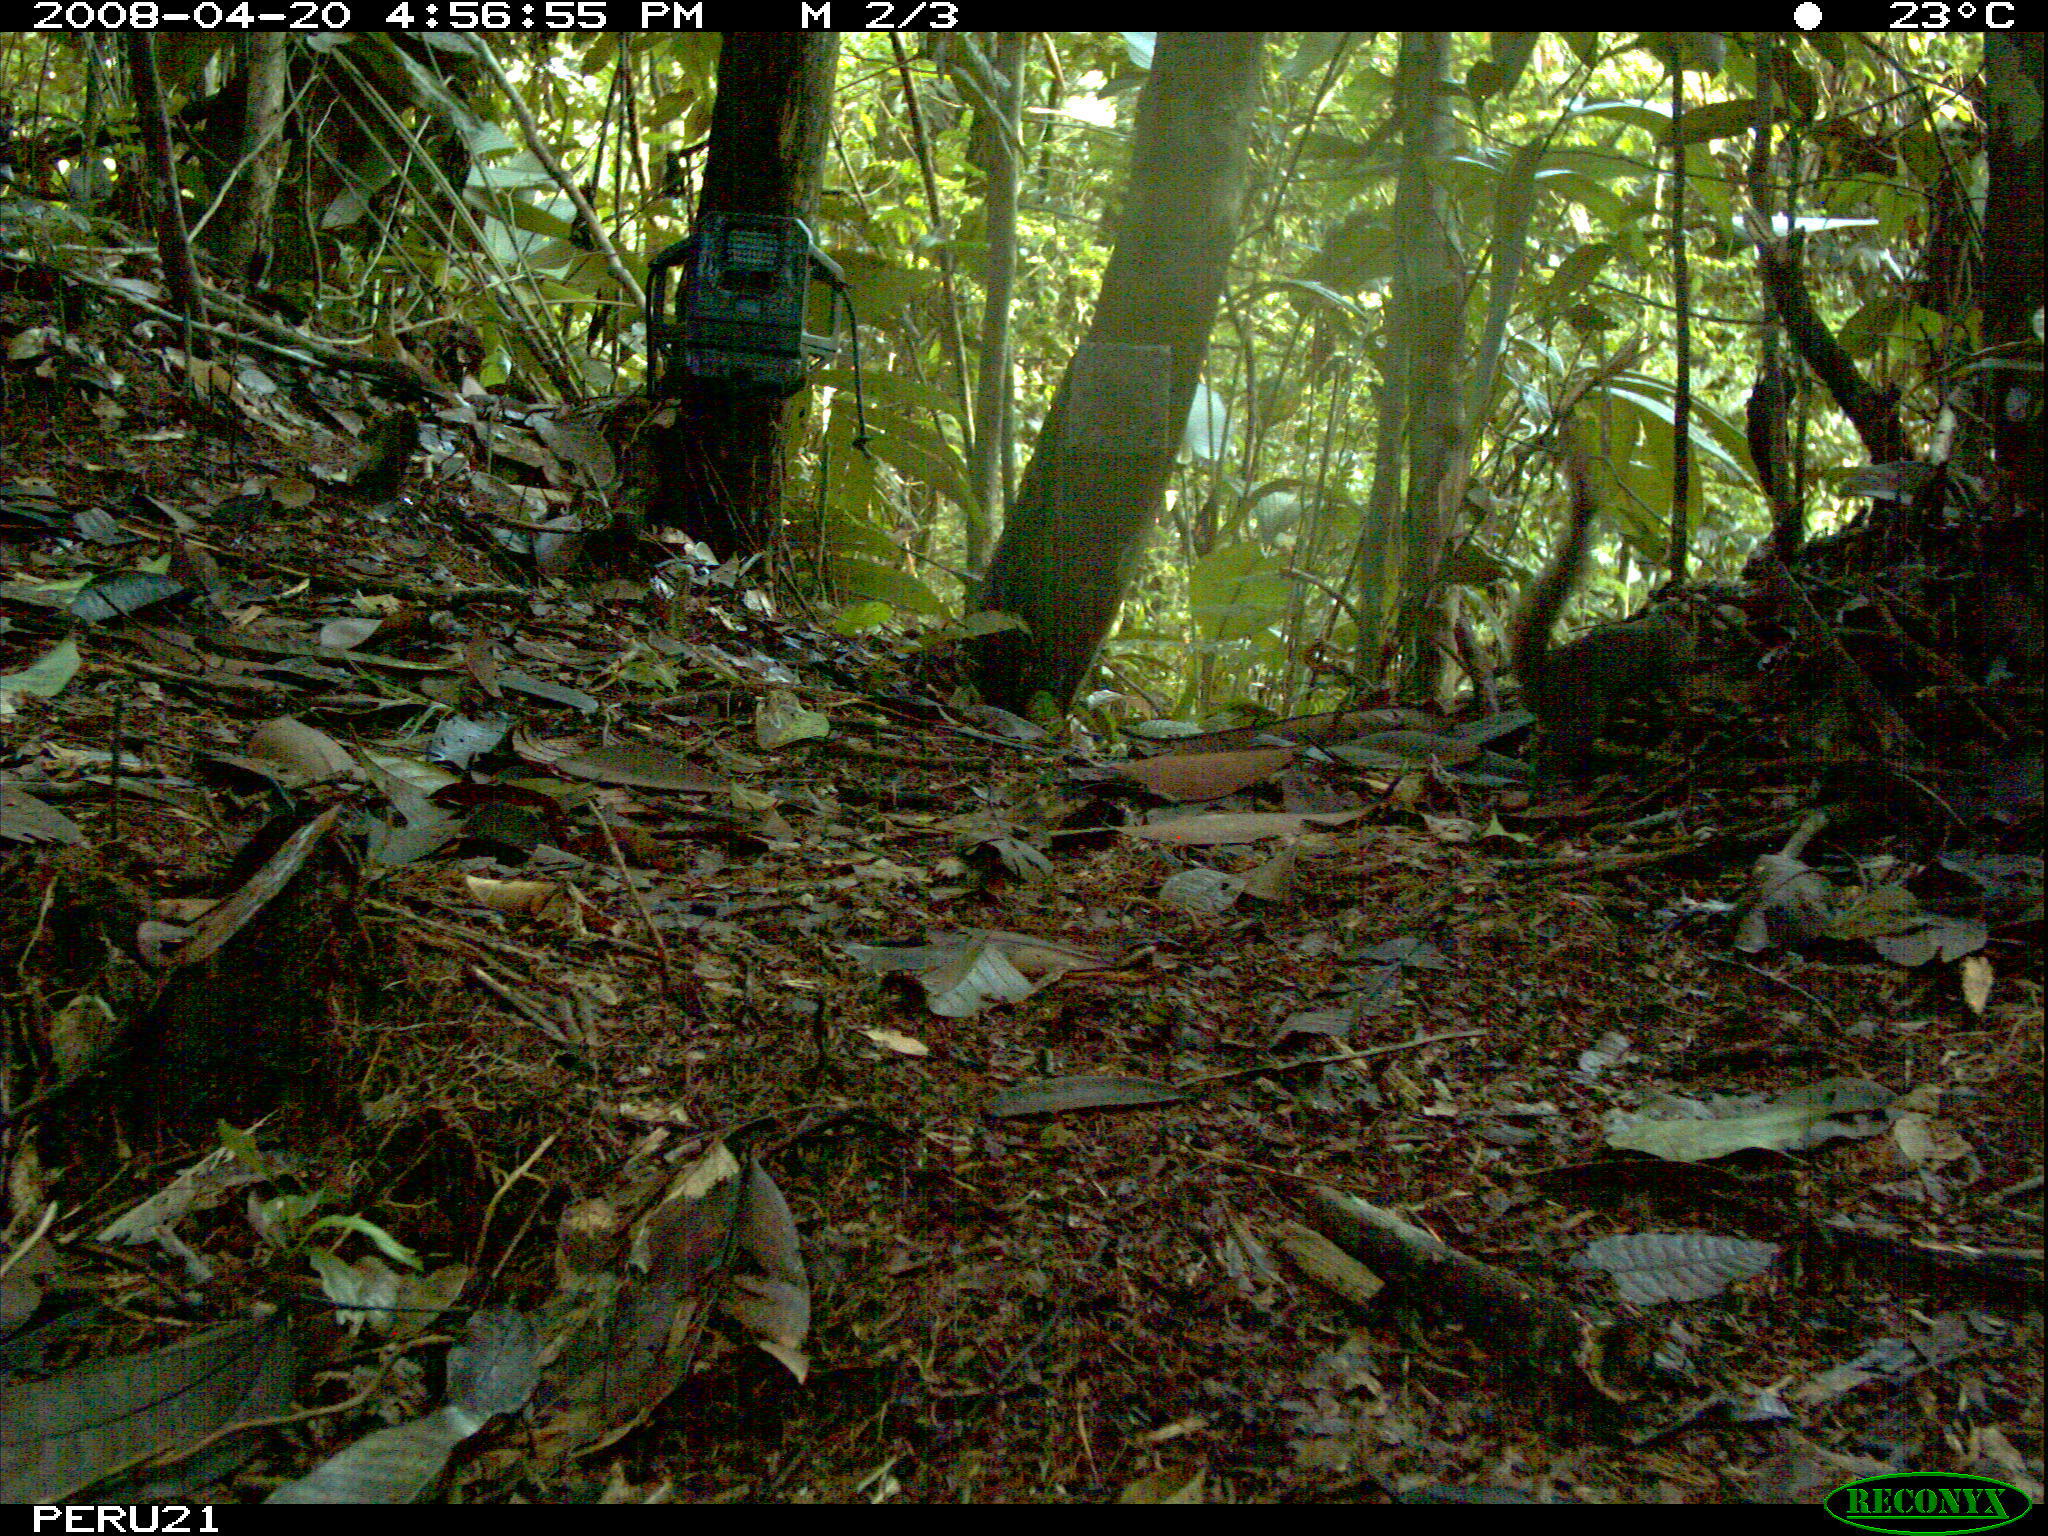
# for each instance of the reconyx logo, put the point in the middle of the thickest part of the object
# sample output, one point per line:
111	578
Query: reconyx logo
1937	1503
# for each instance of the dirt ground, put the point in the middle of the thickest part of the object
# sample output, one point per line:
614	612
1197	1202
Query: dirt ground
754	1079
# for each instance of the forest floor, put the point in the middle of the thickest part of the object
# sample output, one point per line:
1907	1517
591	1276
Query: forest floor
730	1073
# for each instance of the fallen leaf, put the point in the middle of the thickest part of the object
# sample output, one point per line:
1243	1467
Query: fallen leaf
1057	1095
1206	775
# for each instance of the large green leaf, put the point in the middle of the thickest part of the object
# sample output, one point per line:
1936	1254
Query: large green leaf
1576	271
1712	433
845	534
882	289
905	395
182	57
1348	308
1589	193
1236	591
1314	54
1651	119
526	216
513	175
1717	120
918	453
853	578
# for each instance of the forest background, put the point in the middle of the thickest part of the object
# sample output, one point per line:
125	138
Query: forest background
1328	529
739	886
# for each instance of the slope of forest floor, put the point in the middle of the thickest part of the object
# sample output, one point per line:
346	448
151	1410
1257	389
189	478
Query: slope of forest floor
531	1033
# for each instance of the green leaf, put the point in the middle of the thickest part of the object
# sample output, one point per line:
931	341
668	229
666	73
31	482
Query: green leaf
1576	271
533	219
882	290
48	675
1717	120
854	578
1236	591
1586	191
392	1248
1314	54
905	395
1653	120
1350	308
848	535
487	139
1876	323
861	618
916	452
1585	46
515	175
241	1146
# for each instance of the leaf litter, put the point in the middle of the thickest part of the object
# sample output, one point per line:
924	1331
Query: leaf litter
640	1080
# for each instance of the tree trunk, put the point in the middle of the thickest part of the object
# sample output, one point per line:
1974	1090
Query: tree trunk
242	226
2014	78
172	245
721	463
1098	476
1427	329
992	384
